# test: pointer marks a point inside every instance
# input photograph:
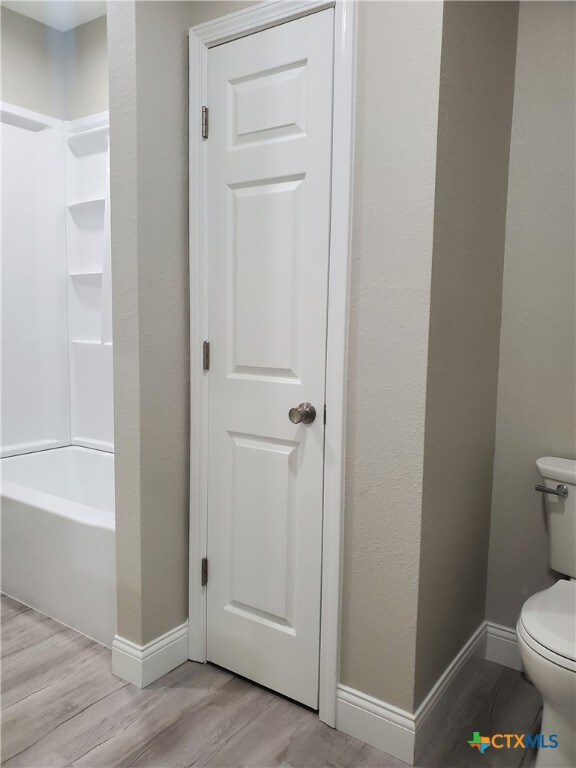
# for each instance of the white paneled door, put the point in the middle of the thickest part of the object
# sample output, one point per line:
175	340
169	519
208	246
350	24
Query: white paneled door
269	165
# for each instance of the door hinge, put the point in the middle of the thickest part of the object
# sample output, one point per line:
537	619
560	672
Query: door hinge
204	571
206	356
204	122
324	414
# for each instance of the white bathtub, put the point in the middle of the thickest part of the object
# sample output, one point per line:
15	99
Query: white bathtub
58	540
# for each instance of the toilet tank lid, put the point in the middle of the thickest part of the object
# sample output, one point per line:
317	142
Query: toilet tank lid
563	470
550	617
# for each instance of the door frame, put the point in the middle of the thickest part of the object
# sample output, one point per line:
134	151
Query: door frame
201	38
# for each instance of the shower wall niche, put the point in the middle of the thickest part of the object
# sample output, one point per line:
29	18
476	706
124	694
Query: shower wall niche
57	378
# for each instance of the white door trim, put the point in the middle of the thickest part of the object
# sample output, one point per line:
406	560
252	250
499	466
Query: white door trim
203	37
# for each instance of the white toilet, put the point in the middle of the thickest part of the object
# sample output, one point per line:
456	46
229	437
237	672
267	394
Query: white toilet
546	628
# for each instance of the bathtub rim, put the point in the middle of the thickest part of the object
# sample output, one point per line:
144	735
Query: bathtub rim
75	511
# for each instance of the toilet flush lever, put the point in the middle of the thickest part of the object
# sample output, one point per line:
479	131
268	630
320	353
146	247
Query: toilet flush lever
560	490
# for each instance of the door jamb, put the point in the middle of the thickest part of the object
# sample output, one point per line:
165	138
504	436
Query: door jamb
201	39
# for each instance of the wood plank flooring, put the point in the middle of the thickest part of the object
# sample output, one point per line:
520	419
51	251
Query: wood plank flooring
497	700
61	706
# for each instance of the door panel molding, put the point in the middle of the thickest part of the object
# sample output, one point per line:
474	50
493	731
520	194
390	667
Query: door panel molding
201	38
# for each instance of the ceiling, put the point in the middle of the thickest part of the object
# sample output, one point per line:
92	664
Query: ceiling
60	14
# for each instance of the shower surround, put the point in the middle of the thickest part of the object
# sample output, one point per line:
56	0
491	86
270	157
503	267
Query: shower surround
57	467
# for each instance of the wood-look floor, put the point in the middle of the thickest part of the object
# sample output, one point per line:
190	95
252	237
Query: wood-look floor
497	700
61	706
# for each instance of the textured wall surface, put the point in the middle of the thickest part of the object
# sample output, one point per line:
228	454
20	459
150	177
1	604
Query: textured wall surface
536	401
475	116
148	53
392	275
86	59
149	148
32	65
126	314
391	279
398	72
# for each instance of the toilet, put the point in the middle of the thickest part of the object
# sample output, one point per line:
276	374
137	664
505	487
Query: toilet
546	628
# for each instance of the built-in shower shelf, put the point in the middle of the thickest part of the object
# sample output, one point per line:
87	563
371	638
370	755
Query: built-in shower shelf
91	343
89	142
86	150
88	277
88	206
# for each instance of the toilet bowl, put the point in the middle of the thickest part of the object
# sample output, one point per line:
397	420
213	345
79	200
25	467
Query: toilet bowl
546	627
546	631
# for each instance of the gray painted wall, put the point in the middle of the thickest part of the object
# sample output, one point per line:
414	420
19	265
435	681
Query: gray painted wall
413	266
86	66
126	320
148	58
60	74
536	389
475	116
32	65
398	73
148	128
391	271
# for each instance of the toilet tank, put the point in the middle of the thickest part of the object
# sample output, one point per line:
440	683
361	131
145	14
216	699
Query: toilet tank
561	512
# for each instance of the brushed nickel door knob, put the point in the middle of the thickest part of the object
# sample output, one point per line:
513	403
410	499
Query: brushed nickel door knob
305	413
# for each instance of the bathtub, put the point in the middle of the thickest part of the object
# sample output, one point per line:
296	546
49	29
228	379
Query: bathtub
58	539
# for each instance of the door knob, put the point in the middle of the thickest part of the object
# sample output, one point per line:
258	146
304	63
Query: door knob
305	413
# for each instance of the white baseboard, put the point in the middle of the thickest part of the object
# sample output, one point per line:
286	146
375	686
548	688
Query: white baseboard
400	733
376	723
403	734
448	688
142	664
502	646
